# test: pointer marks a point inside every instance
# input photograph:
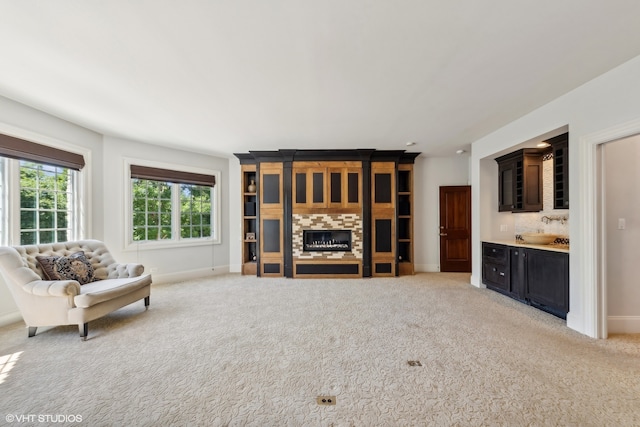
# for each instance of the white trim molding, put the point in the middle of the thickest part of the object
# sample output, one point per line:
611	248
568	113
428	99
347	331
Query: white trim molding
588	261
130	245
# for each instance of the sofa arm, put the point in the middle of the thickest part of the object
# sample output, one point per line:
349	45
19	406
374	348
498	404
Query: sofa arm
53	288
123	271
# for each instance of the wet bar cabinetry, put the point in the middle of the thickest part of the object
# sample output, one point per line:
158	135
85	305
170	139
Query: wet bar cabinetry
520	181
560	150
538	277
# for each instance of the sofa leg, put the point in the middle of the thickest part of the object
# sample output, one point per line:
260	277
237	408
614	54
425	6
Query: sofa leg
84	331
146	302
32	331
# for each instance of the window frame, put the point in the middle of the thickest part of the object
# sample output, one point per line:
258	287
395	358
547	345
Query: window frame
10	188
176	241
72	207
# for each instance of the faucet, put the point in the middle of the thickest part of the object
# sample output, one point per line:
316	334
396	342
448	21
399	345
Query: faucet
547	219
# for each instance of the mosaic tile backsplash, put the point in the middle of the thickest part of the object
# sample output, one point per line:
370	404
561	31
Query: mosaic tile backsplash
549	220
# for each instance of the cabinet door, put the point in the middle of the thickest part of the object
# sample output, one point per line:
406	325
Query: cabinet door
309	186
271	245
271	186
506	186
383	185
271	215
517	277
383	218
532	183
547	280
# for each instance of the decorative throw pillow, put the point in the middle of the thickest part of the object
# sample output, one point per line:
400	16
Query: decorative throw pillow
74	267
48	265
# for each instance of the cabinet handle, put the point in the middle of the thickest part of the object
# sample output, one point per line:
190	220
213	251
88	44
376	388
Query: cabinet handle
494	269
516	253
502	273
443	234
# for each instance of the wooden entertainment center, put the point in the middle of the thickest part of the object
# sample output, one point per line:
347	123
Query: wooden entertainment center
327	213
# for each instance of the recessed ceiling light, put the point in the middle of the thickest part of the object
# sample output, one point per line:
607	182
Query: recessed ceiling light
410	143
543	144
460	151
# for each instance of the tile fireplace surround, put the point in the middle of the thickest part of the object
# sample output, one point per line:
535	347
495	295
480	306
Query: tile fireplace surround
351	222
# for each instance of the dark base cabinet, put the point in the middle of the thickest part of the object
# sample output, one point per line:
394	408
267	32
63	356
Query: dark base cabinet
547	281
533	276
495	267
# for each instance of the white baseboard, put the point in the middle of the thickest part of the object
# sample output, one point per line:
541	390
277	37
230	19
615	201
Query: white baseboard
10	318
191	274
427	268
623	324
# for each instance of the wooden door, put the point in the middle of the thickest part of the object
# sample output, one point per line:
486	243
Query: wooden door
455	228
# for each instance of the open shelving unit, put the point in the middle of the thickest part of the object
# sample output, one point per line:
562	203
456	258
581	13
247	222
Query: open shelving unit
249	220
405	219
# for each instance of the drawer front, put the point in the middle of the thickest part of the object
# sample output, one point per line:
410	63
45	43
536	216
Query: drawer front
497	253
495	275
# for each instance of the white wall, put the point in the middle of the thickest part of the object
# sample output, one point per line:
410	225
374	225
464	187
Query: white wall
171	263
24	122
607	102
105	175
621	173
430	174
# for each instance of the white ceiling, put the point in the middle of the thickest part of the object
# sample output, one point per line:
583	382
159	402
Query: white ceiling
224	76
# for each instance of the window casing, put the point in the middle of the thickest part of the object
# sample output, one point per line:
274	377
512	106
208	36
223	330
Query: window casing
39	203
167	214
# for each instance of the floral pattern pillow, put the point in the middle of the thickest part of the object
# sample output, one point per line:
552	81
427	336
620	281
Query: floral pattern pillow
74	267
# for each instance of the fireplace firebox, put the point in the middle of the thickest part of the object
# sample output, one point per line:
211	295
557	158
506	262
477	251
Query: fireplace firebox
326	240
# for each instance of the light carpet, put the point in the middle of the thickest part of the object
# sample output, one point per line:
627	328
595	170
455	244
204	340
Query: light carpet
245	351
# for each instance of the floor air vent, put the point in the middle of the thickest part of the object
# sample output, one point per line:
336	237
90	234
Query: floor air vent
414	363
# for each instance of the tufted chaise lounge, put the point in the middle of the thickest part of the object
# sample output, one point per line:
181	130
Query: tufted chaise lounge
44	302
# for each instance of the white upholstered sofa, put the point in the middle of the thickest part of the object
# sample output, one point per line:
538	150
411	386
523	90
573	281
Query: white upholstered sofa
44	302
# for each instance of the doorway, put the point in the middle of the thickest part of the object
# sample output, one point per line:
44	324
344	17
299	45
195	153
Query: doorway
455	229
621	229
588	313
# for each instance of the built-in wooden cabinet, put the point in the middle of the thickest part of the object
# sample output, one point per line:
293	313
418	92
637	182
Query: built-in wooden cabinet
364	198
323	185
520	181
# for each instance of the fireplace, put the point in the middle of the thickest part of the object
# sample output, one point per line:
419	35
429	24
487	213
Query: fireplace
326	240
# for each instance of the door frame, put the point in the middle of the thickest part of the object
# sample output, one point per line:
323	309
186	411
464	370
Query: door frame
589	266
469	220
